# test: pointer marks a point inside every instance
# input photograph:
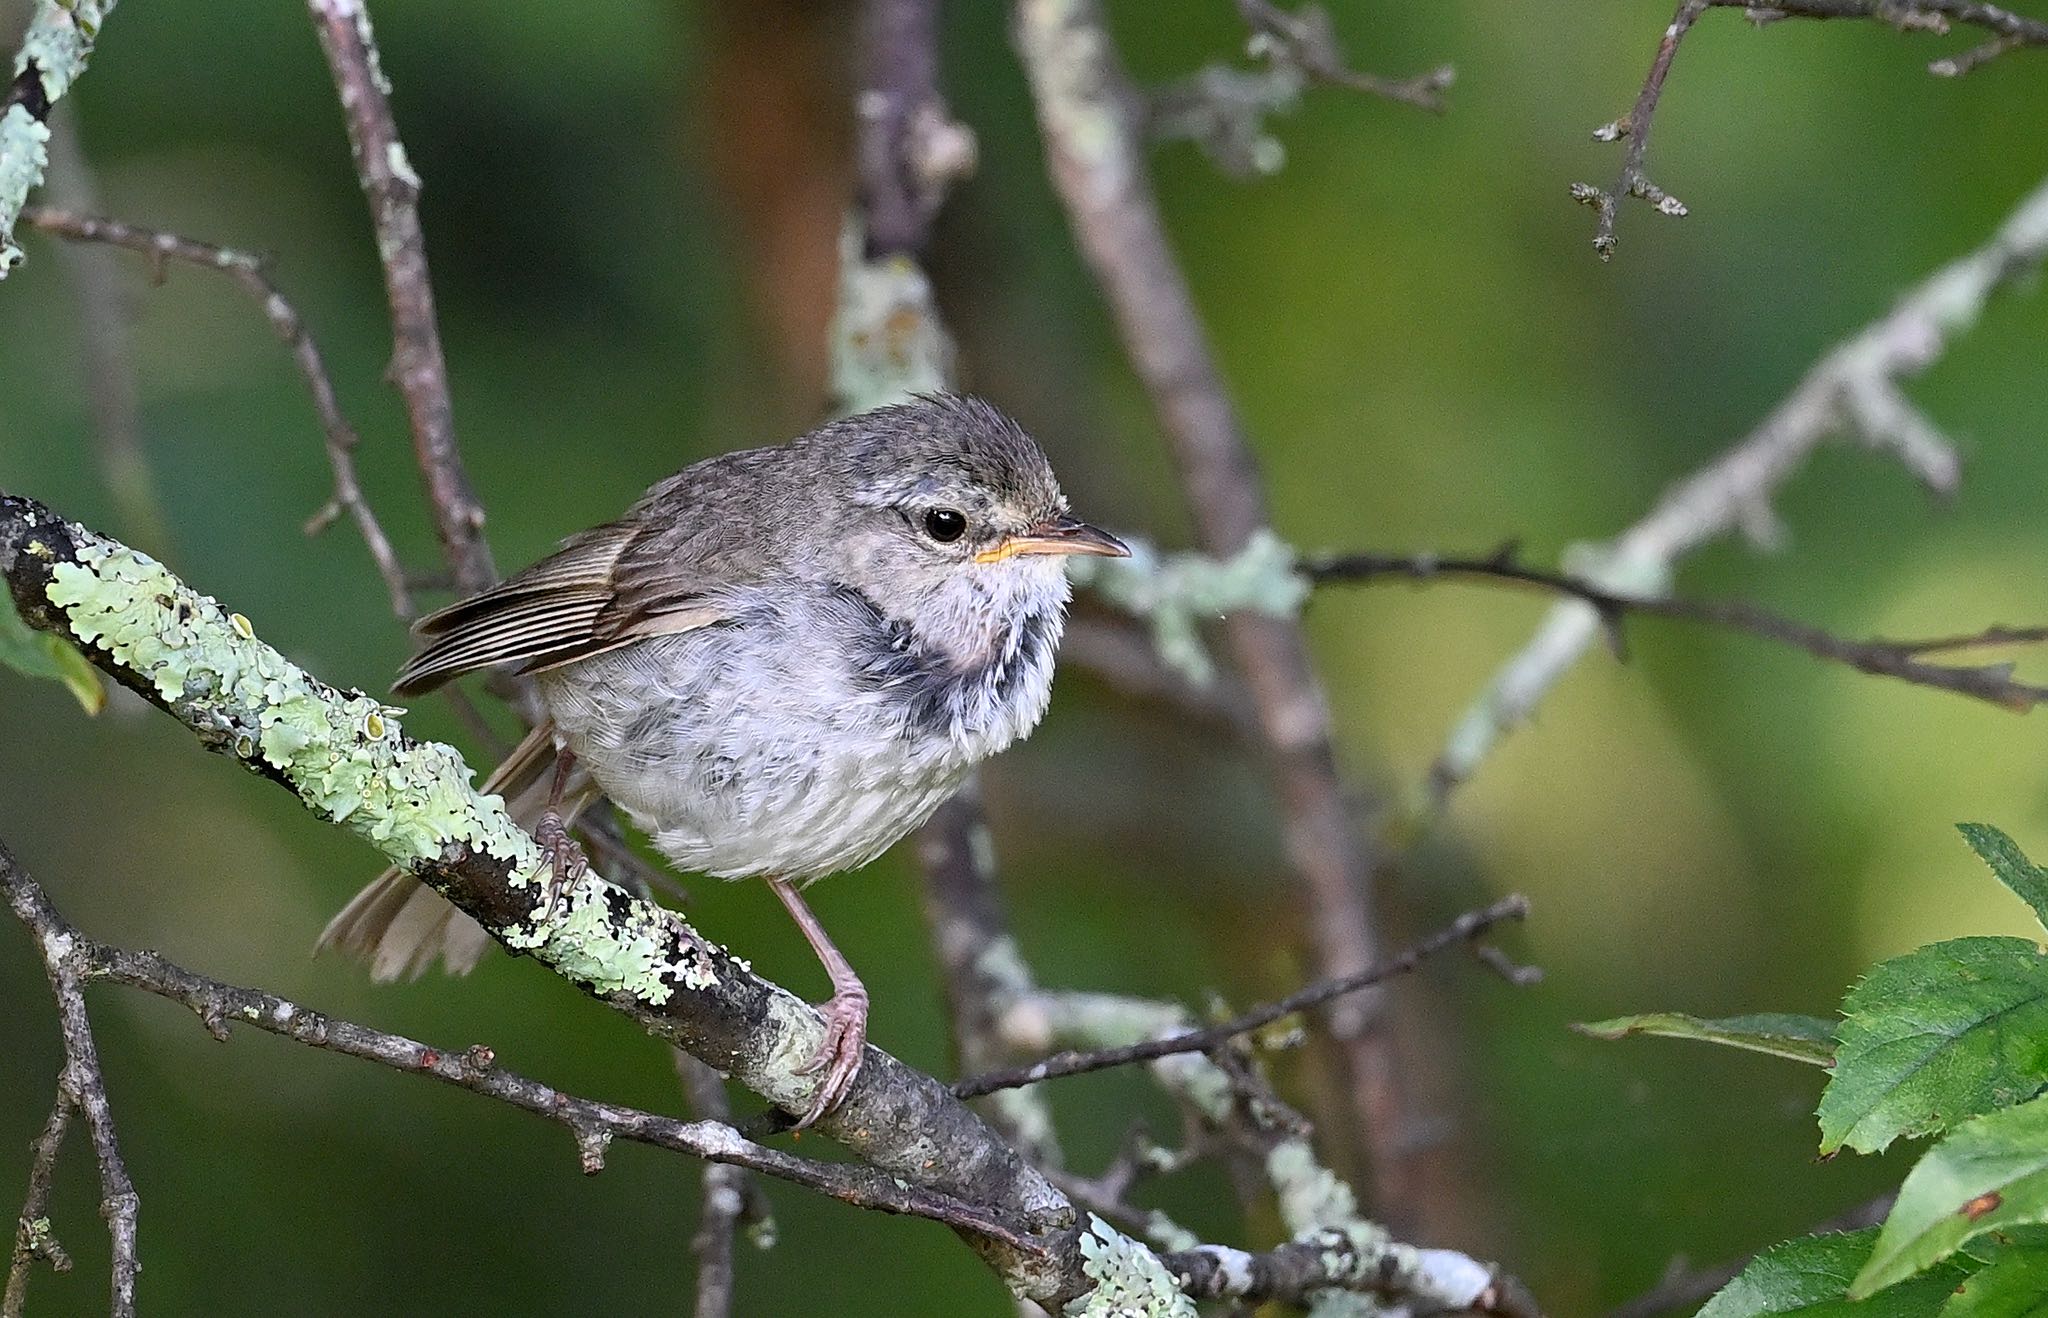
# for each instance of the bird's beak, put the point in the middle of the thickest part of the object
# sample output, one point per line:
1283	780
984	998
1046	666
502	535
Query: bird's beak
1060	535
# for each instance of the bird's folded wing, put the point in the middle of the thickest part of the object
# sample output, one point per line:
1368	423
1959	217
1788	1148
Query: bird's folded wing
593	595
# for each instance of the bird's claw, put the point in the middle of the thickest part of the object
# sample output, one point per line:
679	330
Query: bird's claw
566	861
839	1055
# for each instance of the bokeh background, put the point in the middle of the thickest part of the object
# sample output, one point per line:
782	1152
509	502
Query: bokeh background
630	210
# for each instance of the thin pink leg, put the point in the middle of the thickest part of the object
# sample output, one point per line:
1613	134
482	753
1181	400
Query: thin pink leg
845	1013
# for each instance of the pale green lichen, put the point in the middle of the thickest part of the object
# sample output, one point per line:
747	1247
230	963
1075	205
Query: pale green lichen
1130	1281
347	757
888	341
58	42
1175	593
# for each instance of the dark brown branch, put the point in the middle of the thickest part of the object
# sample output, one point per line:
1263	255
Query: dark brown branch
81	1087
909	147
1993	683
417	364
1466	928
247	271
2009	30
1092	123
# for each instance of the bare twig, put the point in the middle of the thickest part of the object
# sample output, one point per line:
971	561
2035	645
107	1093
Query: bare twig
910	148
1466	928
1635	126
1306	39
1222	108
1903	660
417	364
80	1087
2009	30
593	1125
34	1238
1092	126
1853	390
724	1193
247	271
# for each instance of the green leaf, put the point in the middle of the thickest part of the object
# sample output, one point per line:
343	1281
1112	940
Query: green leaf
2014	1284
1990	1175
1934	1037
40	654
1810	1277
2011	866
1800	1038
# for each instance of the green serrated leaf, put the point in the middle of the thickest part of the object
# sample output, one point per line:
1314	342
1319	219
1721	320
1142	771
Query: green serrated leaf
1810	1277
1990	1175
1934	1037
2013	1284
40	654
1800	1038
2011	866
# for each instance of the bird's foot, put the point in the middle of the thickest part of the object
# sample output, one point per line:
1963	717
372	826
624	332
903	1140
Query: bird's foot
566	861
839	1055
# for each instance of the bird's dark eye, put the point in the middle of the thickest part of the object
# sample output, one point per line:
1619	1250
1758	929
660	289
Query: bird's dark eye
945	525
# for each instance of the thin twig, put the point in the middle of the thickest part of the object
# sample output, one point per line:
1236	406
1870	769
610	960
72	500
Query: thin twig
2010	31
1992	683
909	147
592	1124
1469	926
247	271
1092	124
34	1238
1854	391
724	1192
81	1086
417	364
1307	39
1635	126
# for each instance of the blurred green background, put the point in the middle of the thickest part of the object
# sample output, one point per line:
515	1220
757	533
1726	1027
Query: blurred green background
630	209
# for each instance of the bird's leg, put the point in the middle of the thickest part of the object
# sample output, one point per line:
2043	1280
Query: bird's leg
565	855
845	1013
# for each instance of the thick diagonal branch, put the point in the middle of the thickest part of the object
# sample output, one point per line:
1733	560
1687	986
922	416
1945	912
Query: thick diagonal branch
349	761
1092	124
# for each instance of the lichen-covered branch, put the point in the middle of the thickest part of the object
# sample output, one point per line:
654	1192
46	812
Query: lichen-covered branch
1093	126
53	55
81	1089
2009	31
1853	391
349	761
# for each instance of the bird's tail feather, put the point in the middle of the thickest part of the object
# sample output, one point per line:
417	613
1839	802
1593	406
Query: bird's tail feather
400	927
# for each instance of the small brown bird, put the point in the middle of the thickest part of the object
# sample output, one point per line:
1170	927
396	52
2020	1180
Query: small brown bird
777	663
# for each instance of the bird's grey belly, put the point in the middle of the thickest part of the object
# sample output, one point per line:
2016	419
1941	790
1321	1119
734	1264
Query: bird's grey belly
740	755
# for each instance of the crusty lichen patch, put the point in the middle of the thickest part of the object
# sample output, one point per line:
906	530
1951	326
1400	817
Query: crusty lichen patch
347	757
1130	1281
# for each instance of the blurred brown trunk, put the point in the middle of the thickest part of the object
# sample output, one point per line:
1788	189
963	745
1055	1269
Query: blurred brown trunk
777	93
